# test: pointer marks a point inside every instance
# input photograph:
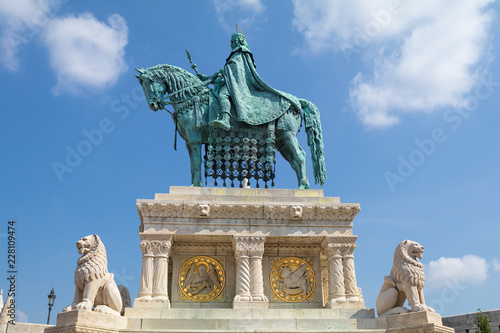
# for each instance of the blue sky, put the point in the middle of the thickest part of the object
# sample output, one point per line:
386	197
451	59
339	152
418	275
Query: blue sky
407	93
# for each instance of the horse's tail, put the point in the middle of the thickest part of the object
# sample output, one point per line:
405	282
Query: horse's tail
314	140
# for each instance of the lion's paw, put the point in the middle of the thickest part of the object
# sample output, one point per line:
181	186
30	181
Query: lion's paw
85	305
419	307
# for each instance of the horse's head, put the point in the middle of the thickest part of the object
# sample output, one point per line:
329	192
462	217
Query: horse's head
153	89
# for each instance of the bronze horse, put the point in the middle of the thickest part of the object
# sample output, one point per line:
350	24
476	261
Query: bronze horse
190	98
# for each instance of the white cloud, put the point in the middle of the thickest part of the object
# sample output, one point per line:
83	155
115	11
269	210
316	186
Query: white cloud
425	54
470	269
20	22
244	12
21	317
496	264
85	52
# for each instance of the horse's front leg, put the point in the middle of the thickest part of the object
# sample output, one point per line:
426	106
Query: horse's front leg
195	160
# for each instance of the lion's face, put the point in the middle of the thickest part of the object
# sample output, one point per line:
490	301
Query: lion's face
296	212
85	244
415	250
204	210
92	264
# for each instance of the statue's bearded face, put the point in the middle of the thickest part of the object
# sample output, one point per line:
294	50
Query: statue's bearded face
237	40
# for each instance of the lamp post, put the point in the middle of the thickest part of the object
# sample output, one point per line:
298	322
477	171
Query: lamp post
52	298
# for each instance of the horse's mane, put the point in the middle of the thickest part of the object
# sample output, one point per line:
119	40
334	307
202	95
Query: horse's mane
178	81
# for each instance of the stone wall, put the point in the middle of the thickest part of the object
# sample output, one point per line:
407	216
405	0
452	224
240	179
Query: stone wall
464	323
24	328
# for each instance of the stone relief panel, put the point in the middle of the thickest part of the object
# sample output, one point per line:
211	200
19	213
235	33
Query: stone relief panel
292	279
202	279
345	212
159	209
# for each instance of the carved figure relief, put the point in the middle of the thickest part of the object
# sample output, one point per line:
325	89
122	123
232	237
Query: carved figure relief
292	279
202	279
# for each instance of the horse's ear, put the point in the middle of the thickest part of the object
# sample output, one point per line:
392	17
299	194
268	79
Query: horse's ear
140	70
137	76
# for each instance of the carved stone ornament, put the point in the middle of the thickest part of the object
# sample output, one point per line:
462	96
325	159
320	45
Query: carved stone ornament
345	212
197	210
296	212
202	279
292	279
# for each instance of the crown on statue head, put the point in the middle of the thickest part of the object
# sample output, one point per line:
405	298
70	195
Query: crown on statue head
238	35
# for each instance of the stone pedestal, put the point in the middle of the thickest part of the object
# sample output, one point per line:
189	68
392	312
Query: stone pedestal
80	321
266	243
421	322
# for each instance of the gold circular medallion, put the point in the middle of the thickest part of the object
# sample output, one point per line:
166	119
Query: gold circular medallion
292	279
201	279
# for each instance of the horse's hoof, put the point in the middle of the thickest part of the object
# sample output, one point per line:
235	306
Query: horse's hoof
304	187
196	185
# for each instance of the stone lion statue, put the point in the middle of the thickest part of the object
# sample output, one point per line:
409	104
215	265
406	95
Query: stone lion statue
95	286
406	281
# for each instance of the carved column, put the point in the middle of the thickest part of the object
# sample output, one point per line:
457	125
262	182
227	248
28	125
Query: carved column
154	273
146	286
160	280
336	288
256	250
242	271
248	251
351	288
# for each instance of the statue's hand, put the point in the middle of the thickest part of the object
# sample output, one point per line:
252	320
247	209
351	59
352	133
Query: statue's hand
204	77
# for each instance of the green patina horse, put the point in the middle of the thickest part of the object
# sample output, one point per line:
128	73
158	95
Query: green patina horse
190	98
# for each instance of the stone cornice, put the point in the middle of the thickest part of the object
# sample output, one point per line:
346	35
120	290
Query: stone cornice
264	211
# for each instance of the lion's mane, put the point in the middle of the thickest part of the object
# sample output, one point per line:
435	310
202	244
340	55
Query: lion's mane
405	268
93	264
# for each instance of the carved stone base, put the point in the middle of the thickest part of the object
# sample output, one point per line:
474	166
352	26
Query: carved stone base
157	302
344	304
254	320
251	305
255	246
80	321
421	322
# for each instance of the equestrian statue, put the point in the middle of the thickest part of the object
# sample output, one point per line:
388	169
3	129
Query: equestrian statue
241	120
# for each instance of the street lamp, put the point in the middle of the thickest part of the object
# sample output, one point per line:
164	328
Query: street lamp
52	298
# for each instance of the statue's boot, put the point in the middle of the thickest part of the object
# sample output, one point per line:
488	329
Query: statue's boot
223	122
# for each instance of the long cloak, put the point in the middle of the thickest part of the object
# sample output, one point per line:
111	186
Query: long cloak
255	102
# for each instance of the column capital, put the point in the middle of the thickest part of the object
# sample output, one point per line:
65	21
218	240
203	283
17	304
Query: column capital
348	250
248	245
161	248
147	248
